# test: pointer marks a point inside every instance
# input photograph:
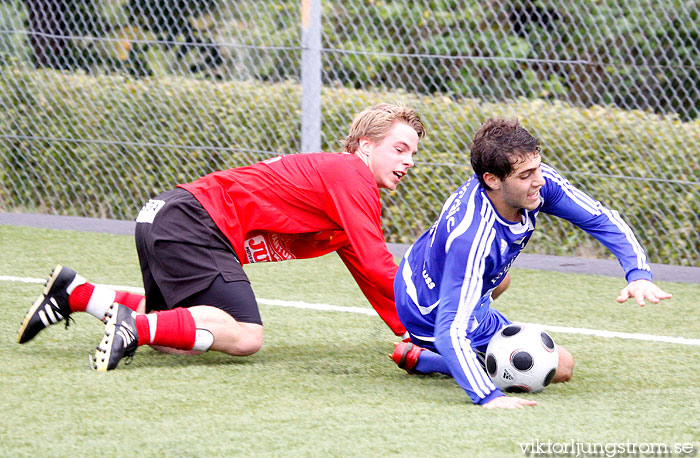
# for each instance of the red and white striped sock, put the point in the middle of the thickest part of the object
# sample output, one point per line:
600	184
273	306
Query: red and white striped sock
172	328
96	299
131	300
93	299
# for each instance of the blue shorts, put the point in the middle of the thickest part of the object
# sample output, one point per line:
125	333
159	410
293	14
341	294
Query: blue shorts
492	322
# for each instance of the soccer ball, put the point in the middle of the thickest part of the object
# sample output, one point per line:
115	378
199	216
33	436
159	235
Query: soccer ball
521	358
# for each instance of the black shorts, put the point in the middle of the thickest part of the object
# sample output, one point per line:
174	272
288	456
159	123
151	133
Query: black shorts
186	260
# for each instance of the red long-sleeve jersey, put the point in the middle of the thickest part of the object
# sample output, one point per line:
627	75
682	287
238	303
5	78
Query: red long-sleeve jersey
303	206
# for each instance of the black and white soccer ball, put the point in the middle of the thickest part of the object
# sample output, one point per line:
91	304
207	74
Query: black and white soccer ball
522	358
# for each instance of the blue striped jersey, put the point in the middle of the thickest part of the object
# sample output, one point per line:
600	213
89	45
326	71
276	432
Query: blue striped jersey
444	283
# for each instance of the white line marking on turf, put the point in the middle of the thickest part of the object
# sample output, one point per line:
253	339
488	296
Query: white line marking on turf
324	307
620	335
367	311
22	280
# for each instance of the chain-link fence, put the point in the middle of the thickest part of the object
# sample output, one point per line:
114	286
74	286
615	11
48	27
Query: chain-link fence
106	103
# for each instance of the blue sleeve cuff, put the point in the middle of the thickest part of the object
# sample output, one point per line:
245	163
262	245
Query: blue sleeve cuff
638	274
493	395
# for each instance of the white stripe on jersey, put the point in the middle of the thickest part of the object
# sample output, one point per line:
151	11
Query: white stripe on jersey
475	365
469	296
427	310
615	217
407	275
596	208
447	204
582	199
425	338
465	223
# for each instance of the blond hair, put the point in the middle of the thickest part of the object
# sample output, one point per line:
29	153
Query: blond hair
375	123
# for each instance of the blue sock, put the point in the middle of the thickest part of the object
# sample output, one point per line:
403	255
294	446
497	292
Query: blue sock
430	362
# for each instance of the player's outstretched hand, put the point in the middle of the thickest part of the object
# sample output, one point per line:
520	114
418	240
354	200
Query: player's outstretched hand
506	402
641	290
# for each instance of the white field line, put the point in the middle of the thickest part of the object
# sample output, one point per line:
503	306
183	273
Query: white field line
367	311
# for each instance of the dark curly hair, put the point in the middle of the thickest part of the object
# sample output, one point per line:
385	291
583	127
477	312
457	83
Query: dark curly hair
498	145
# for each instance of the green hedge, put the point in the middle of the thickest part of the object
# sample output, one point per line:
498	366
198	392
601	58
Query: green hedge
80	145
639	55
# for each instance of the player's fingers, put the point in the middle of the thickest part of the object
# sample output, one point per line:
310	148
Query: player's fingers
624	295
521	404
636	292
659	294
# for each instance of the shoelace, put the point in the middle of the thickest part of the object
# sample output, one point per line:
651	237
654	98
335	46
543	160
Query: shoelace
68	320
50	301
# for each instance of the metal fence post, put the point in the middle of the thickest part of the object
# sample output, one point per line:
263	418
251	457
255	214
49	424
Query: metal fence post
310	75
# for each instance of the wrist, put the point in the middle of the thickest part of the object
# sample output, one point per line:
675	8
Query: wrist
638	274
497	393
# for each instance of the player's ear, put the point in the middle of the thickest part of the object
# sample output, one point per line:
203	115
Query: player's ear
364	145
492	181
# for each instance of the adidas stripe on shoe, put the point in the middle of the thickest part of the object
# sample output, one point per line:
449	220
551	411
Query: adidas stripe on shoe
120	340
51	306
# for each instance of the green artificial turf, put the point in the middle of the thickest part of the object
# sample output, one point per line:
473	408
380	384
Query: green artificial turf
323	384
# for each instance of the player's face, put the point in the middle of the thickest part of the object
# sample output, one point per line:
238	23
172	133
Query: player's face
390	158
521	189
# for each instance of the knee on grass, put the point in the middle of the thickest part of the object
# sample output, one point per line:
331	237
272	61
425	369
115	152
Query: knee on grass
565	369
246	342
